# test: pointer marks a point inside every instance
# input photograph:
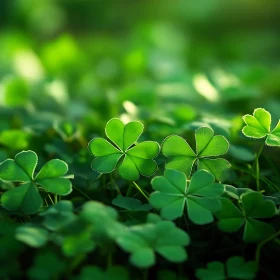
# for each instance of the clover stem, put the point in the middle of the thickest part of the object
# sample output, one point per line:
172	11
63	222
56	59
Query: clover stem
55	198
258	167
51	199
140	190
113	182
261	244
84	194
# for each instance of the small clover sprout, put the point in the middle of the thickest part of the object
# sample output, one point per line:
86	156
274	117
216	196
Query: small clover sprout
253	206
25	197
258	126
208	147
235	268
201	196
134	159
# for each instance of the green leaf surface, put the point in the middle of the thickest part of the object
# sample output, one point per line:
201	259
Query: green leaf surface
175	145
253	206
52	169
138	157
209	145
237	268
273	139
256	207
200	197
217	166
182	157
100	147
106	164
163	237
258	126
128	169
60	186
24	198
27	161
21	169
58	216
130	203
145	150
214	271
31	235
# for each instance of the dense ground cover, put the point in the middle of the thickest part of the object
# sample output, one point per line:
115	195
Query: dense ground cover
140	144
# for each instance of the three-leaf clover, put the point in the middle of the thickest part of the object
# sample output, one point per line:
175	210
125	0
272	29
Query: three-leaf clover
208	147
164	238
258	126
26	197
252	207
201	196
134	159
235	268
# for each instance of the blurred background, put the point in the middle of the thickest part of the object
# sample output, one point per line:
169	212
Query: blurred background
70	66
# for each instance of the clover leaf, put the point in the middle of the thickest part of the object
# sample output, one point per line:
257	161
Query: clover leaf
252	207
208	148
131	204
143	241
258	126
235	268
134	159
58	216
40	270
26	197
201	196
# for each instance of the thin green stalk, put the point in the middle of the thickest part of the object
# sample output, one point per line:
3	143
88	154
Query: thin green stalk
55	199
51	199
265	180
261	244
113	182
129	190
84	194
141	191
258	167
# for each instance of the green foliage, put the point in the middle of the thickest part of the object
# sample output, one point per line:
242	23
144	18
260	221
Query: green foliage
59	87
112	273
201	195
252	207
135	160
258	126
130	204
42	264
235	268
208	148
163	237
25	198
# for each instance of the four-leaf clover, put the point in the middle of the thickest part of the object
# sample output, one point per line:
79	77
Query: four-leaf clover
208	147
135	160
258	126
26	197
201	196
252	207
